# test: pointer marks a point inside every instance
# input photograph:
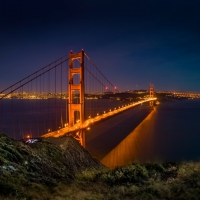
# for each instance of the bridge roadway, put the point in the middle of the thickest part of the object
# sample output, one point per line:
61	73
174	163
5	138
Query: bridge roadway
66	130
104	137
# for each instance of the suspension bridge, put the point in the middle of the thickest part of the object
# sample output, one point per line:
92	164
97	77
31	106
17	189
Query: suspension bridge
62	98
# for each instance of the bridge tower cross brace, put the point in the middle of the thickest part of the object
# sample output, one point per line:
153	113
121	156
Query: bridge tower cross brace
79	88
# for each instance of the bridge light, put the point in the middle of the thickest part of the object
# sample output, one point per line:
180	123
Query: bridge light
104	111
106	87
97	114
28	136
115	87
89	117
88	128
110	109
49	130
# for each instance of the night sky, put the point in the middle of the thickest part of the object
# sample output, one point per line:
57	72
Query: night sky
133	42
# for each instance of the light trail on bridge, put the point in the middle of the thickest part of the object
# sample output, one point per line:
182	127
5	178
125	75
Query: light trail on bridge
67	130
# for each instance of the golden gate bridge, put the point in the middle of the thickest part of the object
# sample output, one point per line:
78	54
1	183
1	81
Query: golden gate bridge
59	99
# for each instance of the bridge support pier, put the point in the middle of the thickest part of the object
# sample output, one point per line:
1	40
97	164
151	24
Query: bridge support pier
76	102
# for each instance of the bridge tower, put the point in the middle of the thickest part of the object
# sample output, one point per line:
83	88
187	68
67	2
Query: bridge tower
76	94
151	93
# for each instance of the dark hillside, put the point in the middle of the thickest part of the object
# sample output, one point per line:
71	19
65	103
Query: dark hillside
60	169
45	163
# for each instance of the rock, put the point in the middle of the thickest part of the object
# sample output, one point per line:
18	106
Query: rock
48	161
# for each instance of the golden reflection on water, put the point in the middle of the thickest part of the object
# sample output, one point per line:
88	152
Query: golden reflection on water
135	147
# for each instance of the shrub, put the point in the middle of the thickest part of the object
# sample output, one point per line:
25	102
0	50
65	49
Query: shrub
135	173
10	189
91	175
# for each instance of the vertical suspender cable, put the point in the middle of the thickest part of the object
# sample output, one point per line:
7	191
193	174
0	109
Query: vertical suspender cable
61	95
67	93
86	88
22	125
20	113
36	107
55	98
12	114
50	103
43	110
31	131
2	116
40	107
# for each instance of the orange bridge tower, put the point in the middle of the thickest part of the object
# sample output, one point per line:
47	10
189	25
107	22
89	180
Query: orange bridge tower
76	104
151	93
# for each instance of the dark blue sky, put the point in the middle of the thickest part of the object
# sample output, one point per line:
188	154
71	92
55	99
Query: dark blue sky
133	42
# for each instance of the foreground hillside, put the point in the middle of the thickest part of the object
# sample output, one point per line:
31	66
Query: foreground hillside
61	169
29	168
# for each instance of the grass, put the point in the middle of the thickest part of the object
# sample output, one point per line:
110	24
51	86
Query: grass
137	181
141	181
44	171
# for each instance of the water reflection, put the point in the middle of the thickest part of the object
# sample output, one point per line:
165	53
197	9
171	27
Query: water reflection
169	133
131	148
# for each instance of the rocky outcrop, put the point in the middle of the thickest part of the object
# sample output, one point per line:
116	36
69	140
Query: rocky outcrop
47	161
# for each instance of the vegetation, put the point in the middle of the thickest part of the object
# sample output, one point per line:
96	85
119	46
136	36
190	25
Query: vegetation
144	181
45	171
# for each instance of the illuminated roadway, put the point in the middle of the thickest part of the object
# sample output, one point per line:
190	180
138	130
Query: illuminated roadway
88	122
